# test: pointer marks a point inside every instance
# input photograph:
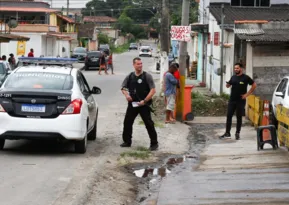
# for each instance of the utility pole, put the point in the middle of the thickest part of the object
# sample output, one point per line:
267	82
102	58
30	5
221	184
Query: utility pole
67	8
182	63
222	48
165	23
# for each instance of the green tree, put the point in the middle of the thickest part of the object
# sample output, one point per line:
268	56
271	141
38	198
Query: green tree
124	23
176	12
102	8
154	23
138	31
103	39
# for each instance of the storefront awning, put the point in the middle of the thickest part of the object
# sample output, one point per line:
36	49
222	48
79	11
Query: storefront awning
202	28
6	37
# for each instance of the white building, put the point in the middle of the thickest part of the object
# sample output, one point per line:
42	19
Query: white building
50	33
248	39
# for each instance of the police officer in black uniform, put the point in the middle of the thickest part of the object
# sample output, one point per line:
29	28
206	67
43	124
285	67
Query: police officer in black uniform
139	88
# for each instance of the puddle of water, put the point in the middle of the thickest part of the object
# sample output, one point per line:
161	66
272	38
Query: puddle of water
179	160
163	171
143	173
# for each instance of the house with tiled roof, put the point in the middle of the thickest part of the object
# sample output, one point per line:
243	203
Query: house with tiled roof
50	32
104	24
256	34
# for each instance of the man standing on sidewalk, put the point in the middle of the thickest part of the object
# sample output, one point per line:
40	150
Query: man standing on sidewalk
170	92
237	102
139	88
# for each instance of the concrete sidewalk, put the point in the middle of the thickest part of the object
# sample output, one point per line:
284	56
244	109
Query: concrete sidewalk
216	120
231	172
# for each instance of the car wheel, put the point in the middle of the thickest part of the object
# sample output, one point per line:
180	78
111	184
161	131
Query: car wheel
93	133
80	146
2	143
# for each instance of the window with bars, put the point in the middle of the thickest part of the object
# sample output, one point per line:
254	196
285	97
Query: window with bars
253	3
216	38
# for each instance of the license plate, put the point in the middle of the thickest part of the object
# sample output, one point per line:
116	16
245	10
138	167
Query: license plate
33	108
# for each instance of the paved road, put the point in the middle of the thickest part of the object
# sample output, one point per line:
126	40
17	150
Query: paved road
38	173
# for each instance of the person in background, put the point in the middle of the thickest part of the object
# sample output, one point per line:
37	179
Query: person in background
102	64
4	58
170	92
177	76
31	53
110	63
12	61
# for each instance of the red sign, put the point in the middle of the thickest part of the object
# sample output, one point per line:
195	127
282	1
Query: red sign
181	33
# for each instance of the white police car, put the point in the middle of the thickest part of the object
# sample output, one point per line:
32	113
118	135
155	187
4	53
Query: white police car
48	99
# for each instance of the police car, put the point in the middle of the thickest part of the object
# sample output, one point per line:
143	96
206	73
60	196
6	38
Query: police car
48	99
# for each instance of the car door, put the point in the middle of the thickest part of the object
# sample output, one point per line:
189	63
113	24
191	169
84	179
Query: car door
277	99
85	89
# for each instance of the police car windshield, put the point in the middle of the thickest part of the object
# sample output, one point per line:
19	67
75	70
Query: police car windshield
39	80
2	68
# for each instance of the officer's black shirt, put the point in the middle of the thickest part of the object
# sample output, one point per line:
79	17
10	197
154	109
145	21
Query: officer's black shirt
239	86
138	86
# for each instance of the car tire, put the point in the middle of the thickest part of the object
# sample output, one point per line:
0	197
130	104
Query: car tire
80	146
2	143
93	133
86	67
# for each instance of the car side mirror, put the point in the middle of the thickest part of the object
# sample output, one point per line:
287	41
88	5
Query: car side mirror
280	94
96	90
9	72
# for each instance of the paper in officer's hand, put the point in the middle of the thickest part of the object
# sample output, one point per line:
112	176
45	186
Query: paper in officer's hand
135	104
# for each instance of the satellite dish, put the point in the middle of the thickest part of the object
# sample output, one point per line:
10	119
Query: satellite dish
12	23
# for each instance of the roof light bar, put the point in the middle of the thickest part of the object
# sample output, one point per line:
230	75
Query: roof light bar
48	61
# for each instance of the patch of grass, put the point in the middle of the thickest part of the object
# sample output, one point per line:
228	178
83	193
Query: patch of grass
215	105
137	154
157	124
197	95
143	149
120	49
215	96
225	96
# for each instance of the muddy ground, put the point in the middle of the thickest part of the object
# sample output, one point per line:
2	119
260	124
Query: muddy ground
107	176
150	179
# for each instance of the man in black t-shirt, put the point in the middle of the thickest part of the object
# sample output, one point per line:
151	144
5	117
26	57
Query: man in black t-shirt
237	102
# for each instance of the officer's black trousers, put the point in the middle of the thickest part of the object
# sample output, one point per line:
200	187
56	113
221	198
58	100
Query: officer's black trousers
131	114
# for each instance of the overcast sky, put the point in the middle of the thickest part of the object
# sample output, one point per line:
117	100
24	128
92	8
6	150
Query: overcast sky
63	3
